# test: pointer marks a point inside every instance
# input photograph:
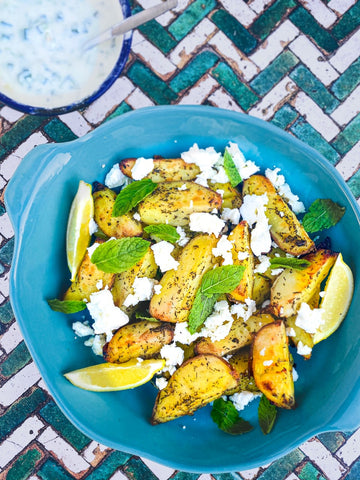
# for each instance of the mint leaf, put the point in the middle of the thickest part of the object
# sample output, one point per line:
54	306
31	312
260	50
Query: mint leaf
221	279
163	232
131	195
231	170
201	309
226	417
323	213
289	262
66	306
118	255
267	414
140	316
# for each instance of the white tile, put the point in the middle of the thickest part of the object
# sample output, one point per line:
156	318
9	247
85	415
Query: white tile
221	99
149	53
272	100
320	12
138	99
4	283
2	182
63	451
18	384
350	163
91	450
6	229
347	53
274	44
240	10
341	6
348	109
292	476
238	61
321	456
199	92
309	54
160	471
250	474
19	439
118	476
259	5
349	452
76	122
10	114
11	338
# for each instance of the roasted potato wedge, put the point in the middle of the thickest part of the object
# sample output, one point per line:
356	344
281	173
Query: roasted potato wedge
286	230
179	287
231	196
167	204
165	169
86	281
293	287
240	362
261	289
124	226
271	366
142	339
195	383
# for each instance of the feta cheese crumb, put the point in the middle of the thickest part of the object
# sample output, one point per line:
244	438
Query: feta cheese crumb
253	211
163	258
218	324
93	226
136	216
262	352
157	289
206	223
143	290
183	240
231	215
92	248
99	284
309	319
265	303
295	375
161	382
173	356
243	255
82	330
263	265
322	294
183	187
96	343
115	178
245	167
267	363
276	271
142	167
206	159
223	249
182	334
241	399
303	349
290	332
244	310
284	190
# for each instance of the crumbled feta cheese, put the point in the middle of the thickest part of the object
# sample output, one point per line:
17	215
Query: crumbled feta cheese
183	187
136	216
262	352
263	265
295	375
143	290
274	177
161	382
157	289
82	330
245	167
309	319
206	223
241	399
220	176
231	215
223	249
115	178
303	349
206	159
253	211
142	167
290	332
265	303
96	343
93	226
276	271
92	248
99	284
182	334
183	240
284	190
107	317
251	206
322	294
173	356
163	258
243	255
244	310
218	324
267	363
220	192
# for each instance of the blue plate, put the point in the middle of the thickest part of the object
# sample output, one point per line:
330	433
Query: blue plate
38	199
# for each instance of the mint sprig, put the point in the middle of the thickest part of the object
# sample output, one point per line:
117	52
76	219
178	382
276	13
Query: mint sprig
163	232
231	170
119	255
289	262
227	418
131	195
66	306
201	309
267	414
323	213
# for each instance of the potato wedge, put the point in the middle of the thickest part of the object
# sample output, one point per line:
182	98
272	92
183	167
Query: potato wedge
195	383
240	237
261	289
167	204
142	339
165	169
230	195
293	287
124	226
286	230
271	365
240	362
87	279
179	287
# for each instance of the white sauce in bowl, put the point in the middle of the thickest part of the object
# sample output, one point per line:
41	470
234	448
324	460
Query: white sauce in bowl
42	62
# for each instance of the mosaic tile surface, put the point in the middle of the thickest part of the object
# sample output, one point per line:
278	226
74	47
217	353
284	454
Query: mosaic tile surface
293	63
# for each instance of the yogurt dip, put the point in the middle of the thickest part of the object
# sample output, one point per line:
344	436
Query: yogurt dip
42	60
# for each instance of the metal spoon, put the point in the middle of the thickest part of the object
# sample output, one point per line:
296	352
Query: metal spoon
131	22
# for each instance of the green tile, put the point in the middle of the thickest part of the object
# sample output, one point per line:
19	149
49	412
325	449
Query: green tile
2	208
238	34
16	360
6	313
354	473
53	415
58	131
185	476
24	465
282	467
309	472
152	85
274	72
136	468
122	108
284	116
21	410
309	135
332	440
314	88
241	92
51	470
348	81
193	71
308	25
6	252
227	476
348	137
191	16
20	132
111	463
348	22
264	24
354	184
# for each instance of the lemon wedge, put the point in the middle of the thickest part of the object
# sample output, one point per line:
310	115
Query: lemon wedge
78	227
109	377
336	301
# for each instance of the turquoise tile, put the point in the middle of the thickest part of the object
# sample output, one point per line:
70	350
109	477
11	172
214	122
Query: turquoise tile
354	184
152	85
122	108
24	465
6	252
348	22
264	24
308	25
274	72
241	92
309	472
282	467
16	360
284	116
332	440
185	476
136	468
347	82
6	313
2	269
348	137
52	470
58	131
189	75
53	415
314	88
2	208
20	132
108	466
191	16
227	476
238	34
309	135
354	473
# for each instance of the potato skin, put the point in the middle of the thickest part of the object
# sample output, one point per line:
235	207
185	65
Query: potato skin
240	362
195	383
165	169
231	196
142	339
167	204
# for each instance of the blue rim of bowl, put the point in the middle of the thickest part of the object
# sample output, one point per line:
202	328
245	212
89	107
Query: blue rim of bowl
118	68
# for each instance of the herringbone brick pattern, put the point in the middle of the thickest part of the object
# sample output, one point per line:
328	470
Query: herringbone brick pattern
293	63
